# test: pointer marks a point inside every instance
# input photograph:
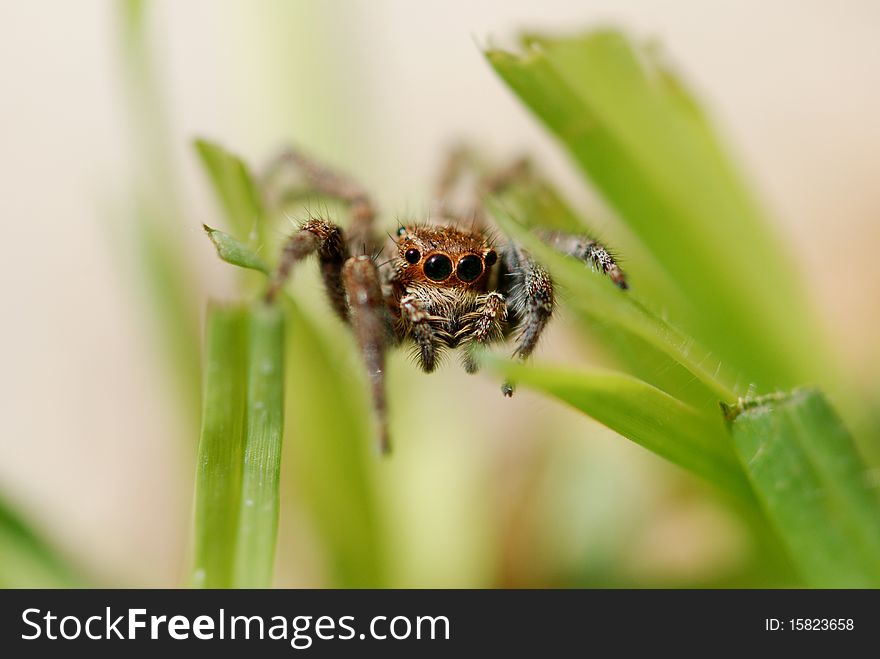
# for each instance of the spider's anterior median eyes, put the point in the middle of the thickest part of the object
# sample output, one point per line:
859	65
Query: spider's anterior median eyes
438	267
469	268
412	255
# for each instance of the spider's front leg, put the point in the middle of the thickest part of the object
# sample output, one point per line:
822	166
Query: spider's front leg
325	239
588	250
530	300
372	329
529	287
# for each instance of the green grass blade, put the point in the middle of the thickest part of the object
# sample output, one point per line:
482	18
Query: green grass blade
638	135
167	283
643	414
236	190
258	515
26	559
334	462
232	251
539	204
636	329
221	447
151	216
813	484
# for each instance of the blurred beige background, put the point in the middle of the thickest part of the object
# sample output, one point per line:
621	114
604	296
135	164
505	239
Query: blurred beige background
90	441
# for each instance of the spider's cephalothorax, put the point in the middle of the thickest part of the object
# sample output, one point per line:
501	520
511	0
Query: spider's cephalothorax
439	291
440	287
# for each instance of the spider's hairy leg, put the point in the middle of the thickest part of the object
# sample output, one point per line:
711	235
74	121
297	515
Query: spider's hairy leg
530	300
483	326
459	164
416	317
516	171
463	160
330	183
371	326
325	239
456	162
588	250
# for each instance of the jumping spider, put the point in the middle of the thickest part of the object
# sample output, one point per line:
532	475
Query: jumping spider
442	286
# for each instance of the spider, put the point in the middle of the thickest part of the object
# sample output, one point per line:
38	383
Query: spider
443	286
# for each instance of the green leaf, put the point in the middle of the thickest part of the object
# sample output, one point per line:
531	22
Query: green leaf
26	559
258	515
234	252
658	352
236	509
149	221
637	133
167	282
335	460
221	447
807	473
235	188
644	414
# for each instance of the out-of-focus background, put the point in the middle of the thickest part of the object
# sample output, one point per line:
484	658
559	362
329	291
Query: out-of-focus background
98	438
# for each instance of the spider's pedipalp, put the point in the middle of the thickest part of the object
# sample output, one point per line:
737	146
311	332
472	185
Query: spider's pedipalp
418	324
372	327
482	327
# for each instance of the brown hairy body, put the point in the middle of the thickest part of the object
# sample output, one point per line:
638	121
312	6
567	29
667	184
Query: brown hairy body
442	287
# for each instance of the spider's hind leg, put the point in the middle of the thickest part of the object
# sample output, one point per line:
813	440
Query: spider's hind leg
464	164
328	182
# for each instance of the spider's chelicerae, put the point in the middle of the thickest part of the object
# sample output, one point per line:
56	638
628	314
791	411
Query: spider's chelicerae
437	285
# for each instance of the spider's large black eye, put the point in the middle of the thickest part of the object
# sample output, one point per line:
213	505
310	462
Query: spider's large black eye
412	255
469	267
438	267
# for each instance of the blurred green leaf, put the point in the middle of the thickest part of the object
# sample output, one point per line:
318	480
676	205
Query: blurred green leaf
153	219
221	447
26	559
813	484
644	414
657	351
258	515
333	461
170	298
232	251
236	190
637	133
